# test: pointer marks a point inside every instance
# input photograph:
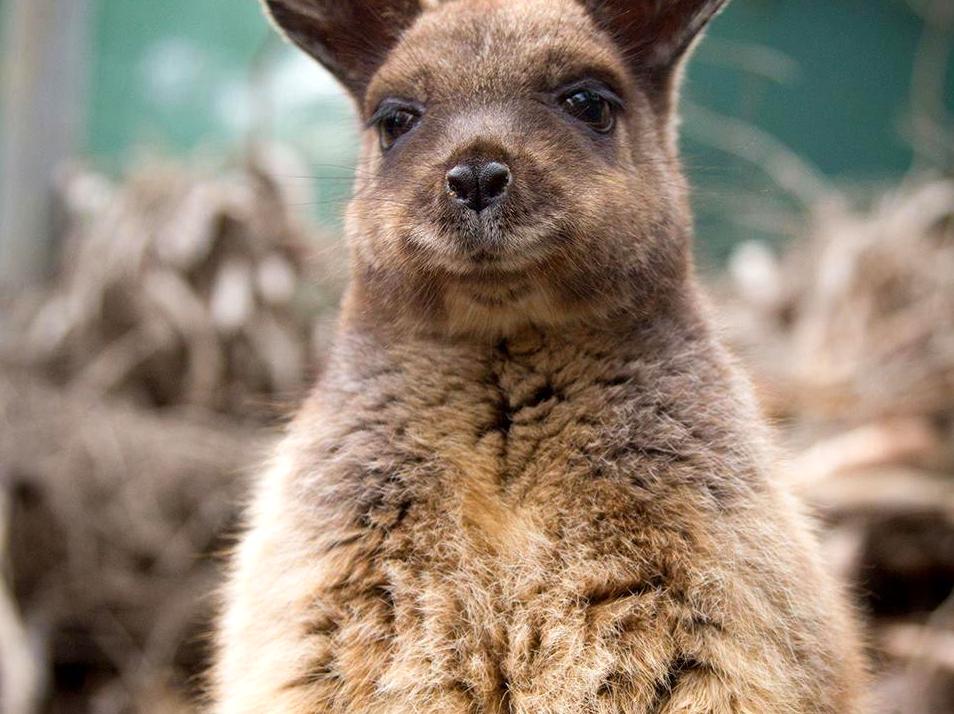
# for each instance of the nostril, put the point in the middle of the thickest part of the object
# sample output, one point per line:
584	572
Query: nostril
479	184
494	180
462	183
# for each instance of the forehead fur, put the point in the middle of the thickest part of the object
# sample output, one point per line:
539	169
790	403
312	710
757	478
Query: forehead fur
478	47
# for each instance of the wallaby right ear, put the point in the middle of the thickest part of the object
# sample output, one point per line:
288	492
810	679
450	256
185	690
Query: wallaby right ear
351	38
655	34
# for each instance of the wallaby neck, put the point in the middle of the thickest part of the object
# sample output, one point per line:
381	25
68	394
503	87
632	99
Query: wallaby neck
367	345
442	312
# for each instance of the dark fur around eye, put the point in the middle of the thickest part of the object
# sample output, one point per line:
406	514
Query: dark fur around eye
590	107
393	120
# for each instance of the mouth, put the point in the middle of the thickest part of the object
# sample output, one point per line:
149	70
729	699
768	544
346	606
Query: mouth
500	240
465	251
483	234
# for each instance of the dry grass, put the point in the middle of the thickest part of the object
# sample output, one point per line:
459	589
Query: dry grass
850	338
114	517
134	394
180	287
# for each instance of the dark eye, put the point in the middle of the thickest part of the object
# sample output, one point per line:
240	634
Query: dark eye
394	124
590	108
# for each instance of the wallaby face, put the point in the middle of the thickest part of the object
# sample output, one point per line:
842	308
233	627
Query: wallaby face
530	481
517	163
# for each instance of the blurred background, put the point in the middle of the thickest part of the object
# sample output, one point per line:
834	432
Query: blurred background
172	178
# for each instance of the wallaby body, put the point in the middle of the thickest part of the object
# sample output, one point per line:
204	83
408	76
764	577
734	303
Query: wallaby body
530	480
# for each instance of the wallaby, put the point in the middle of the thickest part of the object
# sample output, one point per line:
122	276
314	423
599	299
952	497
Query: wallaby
530	480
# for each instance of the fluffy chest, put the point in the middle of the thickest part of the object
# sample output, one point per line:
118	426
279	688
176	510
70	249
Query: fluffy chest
518	478
506	566
531	447
493	528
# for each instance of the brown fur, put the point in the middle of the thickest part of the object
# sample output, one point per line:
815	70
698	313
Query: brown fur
530	481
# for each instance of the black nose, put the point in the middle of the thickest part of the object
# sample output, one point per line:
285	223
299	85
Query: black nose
478	184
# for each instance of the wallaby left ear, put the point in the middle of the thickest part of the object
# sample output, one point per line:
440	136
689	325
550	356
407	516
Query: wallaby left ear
655	35
351	38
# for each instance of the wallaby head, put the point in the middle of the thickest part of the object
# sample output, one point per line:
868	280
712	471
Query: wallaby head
518	161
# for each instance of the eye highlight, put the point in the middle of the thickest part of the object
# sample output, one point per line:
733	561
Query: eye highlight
591	107
393	120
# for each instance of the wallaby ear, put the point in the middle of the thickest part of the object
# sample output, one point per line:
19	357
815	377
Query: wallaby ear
351	38
655	34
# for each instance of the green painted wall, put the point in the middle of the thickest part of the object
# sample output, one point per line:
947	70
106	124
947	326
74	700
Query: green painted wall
159	68
844	101
828	78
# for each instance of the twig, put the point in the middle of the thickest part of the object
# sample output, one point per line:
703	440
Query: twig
22	684
763	151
